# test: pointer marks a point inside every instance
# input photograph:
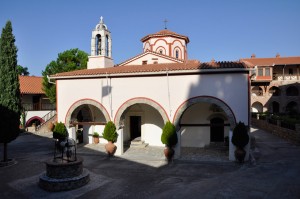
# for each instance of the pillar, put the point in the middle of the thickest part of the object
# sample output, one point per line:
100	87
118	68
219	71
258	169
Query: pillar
178	146
119	143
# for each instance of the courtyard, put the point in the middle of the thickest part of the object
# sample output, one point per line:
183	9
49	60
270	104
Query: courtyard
144	173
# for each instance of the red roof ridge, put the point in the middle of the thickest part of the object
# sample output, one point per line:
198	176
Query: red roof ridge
165	32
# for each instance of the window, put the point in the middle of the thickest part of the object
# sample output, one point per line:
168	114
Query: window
144	62
160	51
267	72
155	62
260	72
291	71
177	54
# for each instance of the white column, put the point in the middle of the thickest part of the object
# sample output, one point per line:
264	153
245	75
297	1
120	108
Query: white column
231	147
119	143
72	132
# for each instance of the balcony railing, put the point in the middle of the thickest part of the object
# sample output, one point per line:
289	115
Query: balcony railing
285	77
38	107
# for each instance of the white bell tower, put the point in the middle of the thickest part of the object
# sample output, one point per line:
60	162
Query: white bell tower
100	47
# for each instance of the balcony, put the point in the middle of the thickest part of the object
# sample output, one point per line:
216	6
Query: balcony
38	107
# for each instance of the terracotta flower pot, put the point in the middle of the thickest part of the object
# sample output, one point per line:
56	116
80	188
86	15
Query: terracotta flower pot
169	153
240	154
96	140
110	148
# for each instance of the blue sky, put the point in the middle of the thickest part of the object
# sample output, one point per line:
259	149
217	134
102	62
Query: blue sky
223	30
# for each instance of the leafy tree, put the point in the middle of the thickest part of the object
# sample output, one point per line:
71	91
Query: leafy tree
10	101
68	60
22	70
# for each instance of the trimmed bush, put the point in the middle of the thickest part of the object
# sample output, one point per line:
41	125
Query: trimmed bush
240	137
60	131
96	135
110	133
169	136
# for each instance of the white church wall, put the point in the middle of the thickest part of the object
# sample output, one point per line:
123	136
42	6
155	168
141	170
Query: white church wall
150	59
230	88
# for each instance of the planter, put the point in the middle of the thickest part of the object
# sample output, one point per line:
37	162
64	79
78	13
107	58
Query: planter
240	154
96	140
110	148
169	153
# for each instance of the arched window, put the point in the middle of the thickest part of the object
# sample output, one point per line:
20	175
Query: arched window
106	46
292	91
98	45
275	91
256	90
176	54
161	51
275	107
292	107
257	107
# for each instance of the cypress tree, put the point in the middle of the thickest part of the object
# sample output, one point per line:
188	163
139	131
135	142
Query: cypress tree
10	102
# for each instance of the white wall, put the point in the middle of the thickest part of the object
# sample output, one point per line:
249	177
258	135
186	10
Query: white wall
230	88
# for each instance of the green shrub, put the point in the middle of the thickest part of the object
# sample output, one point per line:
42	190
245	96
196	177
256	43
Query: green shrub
240	137
96	135
169	136
110	133
60	131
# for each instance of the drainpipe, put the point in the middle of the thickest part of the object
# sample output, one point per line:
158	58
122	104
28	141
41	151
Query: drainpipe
49	80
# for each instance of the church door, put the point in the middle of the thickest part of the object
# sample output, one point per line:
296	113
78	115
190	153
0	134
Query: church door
217	130
135	127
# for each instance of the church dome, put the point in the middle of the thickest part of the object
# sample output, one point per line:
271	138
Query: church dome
165	33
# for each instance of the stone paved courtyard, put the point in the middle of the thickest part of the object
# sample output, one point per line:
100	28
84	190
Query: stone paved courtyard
202	174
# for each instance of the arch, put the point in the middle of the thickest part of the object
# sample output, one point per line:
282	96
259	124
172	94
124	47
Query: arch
208	99
107	46
257	107
275	107
147	46
274	91
161	50
81	102
33	119
177	53
292	107
257	91
98	44
292	91
140	100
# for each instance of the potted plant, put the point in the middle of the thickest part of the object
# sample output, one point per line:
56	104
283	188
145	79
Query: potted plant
96	137
240	139
169	138
111	135
60	132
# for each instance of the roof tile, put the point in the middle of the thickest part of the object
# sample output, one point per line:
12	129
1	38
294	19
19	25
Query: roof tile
129	69
31	85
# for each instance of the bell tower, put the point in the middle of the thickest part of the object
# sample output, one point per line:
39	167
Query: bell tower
101	44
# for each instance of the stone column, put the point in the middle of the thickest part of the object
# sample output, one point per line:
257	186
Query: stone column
119	143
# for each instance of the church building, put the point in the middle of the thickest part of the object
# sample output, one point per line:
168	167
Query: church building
203	100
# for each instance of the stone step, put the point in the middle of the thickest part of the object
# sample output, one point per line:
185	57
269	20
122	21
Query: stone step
138	143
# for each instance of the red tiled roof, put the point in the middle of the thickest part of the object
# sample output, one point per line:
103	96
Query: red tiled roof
165	33
251	62
31	85
152	68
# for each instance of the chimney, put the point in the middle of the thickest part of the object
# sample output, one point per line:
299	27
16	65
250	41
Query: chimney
253	56
277	55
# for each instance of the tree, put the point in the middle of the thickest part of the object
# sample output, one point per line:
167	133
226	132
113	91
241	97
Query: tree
68	60
22	70
10	101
